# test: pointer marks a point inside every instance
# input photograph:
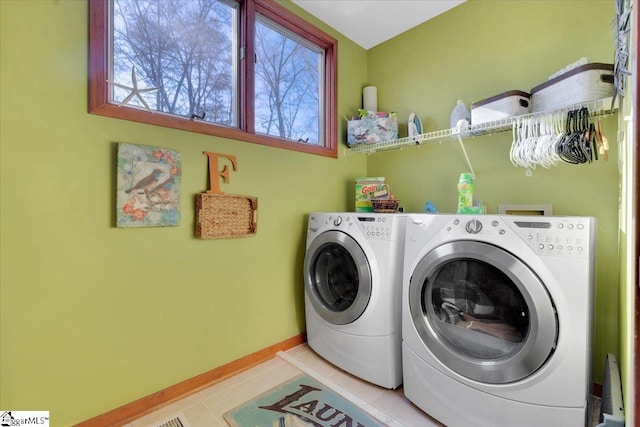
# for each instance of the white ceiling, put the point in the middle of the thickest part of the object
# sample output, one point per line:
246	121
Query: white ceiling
371	22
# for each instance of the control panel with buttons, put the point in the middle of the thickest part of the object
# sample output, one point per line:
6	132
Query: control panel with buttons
372	226
554	236
375	227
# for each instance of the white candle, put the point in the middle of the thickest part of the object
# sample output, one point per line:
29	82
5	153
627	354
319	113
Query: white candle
370	98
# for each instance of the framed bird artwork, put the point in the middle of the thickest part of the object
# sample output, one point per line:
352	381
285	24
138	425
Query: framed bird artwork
148	186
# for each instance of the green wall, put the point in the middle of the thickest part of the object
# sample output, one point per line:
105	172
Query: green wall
477	50
94	317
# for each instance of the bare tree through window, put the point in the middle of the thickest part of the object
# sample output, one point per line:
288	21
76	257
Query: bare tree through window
182	48
185	49
287	86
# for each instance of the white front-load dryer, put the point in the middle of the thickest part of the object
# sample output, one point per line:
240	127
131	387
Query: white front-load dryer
497	319
353	284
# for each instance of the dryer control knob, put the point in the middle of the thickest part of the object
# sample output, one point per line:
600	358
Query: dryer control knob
337	221
474	226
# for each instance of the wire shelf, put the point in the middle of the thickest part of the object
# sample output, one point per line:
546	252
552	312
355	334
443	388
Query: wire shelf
597	108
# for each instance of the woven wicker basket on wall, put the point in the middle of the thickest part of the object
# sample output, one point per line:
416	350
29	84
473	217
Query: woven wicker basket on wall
221	216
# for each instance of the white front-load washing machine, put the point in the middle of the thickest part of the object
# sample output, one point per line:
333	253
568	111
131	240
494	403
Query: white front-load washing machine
497	318
353	285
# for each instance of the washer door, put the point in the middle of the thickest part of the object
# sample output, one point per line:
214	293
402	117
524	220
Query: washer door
337	277
482	312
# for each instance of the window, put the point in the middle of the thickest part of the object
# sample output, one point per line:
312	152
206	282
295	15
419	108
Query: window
183	49
287	101
248	70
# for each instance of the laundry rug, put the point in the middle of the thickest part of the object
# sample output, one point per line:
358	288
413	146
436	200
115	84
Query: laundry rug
301	401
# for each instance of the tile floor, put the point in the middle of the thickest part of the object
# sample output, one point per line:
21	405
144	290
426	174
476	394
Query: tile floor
207	407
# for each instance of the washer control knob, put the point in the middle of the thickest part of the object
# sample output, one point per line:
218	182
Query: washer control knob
337	221
474	226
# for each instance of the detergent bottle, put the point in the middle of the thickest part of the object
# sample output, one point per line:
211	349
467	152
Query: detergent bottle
465	192
460	112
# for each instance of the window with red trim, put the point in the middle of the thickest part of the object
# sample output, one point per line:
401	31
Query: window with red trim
248	70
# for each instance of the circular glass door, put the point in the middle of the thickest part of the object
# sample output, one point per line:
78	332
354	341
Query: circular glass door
482	312
337	277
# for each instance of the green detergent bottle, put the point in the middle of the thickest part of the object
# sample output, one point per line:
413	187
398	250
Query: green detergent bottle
465	192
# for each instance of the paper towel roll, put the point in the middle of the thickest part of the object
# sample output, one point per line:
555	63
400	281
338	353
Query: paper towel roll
370	98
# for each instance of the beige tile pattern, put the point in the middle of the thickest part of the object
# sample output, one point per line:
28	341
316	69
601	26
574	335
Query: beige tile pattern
207	407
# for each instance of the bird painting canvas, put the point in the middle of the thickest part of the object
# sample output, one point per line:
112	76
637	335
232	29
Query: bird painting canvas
148	186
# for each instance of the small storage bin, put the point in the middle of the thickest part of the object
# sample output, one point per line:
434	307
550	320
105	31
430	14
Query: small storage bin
589	82
368	131
385	205
507	104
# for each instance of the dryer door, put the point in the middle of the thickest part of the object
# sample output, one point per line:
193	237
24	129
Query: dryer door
337	277
482	312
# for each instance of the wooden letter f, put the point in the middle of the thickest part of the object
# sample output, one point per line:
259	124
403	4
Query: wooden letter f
215	174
